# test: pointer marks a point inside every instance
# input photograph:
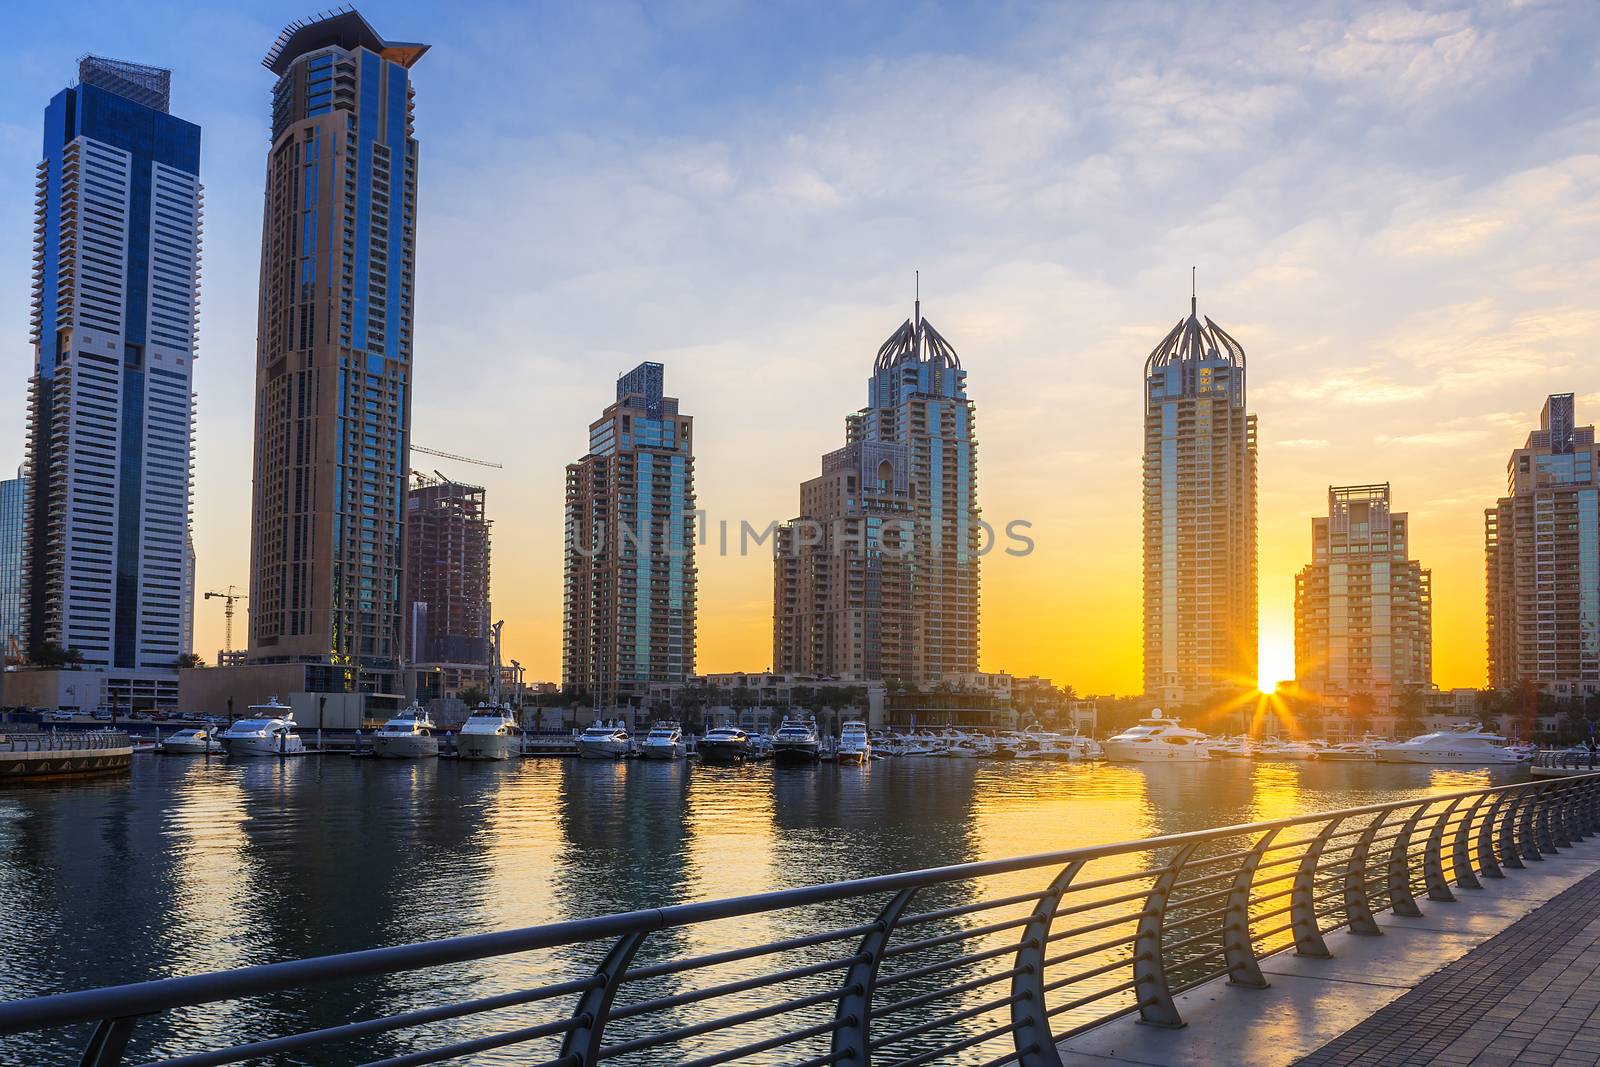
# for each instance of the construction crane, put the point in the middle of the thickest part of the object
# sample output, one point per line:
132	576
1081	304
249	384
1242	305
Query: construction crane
228	598
458	459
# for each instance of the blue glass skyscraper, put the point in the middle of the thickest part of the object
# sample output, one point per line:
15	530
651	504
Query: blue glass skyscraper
116	268
12	491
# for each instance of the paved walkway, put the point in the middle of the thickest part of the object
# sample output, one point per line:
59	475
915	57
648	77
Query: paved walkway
1529	995
1504	972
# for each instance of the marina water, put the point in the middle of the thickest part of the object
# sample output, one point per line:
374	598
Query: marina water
189	865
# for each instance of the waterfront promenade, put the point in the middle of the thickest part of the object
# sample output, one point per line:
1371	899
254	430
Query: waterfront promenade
1500	976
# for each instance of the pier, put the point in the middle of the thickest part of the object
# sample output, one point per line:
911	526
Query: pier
1261	943
62	755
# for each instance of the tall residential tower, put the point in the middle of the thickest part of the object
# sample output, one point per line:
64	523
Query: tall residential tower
629	613
333	357
877	578
1363	610
1199	516
447	585
1542	541
116	287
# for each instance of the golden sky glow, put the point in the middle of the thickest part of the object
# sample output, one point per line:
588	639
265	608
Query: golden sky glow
1406	298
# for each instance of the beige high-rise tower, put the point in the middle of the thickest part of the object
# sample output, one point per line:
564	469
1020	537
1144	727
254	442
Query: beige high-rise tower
333	359
1363	610
1199	516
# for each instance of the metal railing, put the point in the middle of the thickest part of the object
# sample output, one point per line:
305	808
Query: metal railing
992	962
76	741
1570	759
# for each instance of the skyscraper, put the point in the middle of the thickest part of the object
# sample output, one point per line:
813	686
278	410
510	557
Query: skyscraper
877	577
116	267
447	583
333	355
12	491
1199	516
1363	610
1542	544
630	540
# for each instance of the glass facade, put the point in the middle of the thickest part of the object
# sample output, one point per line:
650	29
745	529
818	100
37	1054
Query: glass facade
11	494
106	510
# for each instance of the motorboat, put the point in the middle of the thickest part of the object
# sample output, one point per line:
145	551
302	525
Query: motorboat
268	730
1157	739
796	742
855	746
1468	745
199	741
409	735
1231	748
490	733
1295	750
724	744
664	741
604	740
1348	752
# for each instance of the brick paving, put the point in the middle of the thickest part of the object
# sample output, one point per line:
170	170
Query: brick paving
1530	995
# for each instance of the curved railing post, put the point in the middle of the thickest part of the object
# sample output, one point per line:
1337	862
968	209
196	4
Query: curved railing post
1303	897
1401	900
1571	828
1150	984
1528	823
1587	807
1510	847
1548	826
1357	899
1237	947
1488	865
581	1046
1030	1026
1461	851
1433	857
851	1035
107	1043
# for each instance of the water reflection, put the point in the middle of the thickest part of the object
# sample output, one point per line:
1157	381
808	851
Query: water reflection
190	865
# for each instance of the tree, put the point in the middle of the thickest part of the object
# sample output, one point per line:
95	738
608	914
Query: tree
1360	714
188	661
1412	705
50	654
472	696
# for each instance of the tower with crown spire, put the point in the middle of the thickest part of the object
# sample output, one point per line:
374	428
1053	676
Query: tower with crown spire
1200	592
877	578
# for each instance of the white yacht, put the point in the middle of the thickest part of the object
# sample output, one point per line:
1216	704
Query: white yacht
1158	739
796	742
409	735
604	740
724	744
1231	748
855	746
1348	752
1468	745
197	742
267	731
664	741
1296	750
490	733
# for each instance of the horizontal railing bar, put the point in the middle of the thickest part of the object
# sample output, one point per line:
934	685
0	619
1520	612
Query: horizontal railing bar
960	935
383	1024
144	998
734	955
951	1049
1096	905
1051	987
764	1046
1085	1001
1079	953
886	980
726	1022
1103	924
482	1044
644	1007
879	1012
967	909
946	1020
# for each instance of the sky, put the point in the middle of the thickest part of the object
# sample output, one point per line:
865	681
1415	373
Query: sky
1395	208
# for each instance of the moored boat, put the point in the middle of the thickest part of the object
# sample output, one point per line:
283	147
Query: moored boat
1157	739
1465	746
268	730
855	746
490	733
796	742
409	735
604	740
724	744
200	741
664	741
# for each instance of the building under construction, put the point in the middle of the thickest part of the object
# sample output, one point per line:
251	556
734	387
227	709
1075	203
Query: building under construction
447	578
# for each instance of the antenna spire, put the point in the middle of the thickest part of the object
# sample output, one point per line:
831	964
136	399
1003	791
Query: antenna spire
1194	302
917	313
